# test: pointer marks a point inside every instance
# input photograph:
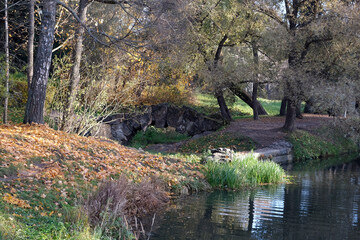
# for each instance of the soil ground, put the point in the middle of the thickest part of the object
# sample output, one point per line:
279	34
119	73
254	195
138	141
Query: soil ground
263	132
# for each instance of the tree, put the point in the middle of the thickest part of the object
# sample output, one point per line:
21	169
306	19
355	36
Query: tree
7	63
218	24
298	20
37	91
31	33
225	113
256	80
34	112
77	54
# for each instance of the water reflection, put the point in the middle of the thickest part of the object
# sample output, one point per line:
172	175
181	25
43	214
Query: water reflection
321	204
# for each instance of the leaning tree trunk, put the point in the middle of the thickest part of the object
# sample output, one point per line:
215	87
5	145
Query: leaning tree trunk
256	82
75	74
34	112
254	100
247	99
7	64
225	113
31	30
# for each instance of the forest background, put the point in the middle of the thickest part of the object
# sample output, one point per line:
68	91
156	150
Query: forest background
85	59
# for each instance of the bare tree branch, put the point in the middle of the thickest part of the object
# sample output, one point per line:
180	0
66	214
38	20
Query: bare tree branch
270	13
82	24
13	5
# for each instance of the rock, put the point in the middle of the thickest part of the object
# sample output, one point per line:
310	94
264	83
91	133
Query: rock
174	116
280	152
185	120
221	155
159	114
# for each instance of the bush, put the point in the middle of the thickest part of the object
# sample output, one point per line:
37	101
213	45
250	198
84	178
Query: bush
243	173
116	209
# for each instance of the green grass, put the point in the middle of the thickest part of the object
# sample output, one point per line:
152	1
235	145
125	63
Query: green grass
243	173
323	163
308	146
8	171
15	115
155	136
228	140
207	104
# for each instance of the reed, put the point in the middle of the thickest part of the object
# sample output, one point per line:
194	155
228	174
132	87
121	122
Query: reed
243	173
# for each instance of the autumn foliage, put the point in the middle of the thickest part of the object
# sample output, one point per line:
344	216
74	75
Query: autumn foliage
43	153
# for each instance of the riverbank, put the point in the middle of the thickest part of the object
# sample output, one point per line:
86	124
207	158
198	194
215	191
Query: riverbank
48	176
316	137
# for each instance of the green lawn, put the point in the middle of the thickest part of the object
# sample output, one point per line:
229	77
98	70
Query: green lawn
207	104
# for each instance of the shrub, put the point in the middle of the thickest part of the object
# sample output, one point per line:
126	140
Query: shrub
243	173
116	209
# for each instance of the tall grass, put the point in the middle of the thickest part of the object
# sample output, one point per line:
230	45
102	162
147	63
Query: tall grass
243	173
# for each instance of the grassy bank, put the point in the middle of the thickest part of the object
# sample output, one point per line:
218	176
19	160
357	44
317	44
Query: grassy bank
47	177
55	185
243	173
326	142
228	140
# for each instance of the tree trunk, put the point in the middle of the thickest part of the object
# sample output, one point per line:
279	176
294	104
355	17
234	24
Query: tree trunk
290	116
254	100
298	110
34	112
284	102
247	99
255	82
7	63
75	75
225	113
31	30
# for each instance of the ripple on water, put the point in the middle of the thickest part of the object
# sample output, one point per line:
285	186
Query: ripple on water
320	205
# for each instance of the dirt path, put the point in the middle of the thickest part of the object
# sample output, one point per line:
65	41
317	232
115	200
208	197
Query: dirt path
268	129
264	132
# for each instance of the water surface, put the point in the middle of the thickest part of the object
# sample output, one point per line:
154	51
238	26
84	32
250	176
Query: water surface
320	204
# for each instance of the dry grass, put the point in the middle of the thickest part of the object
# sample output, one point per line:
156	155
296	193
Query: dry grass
120	205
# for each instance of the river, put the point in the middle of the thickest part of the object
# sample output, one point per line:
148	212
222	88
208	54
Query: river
322	202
